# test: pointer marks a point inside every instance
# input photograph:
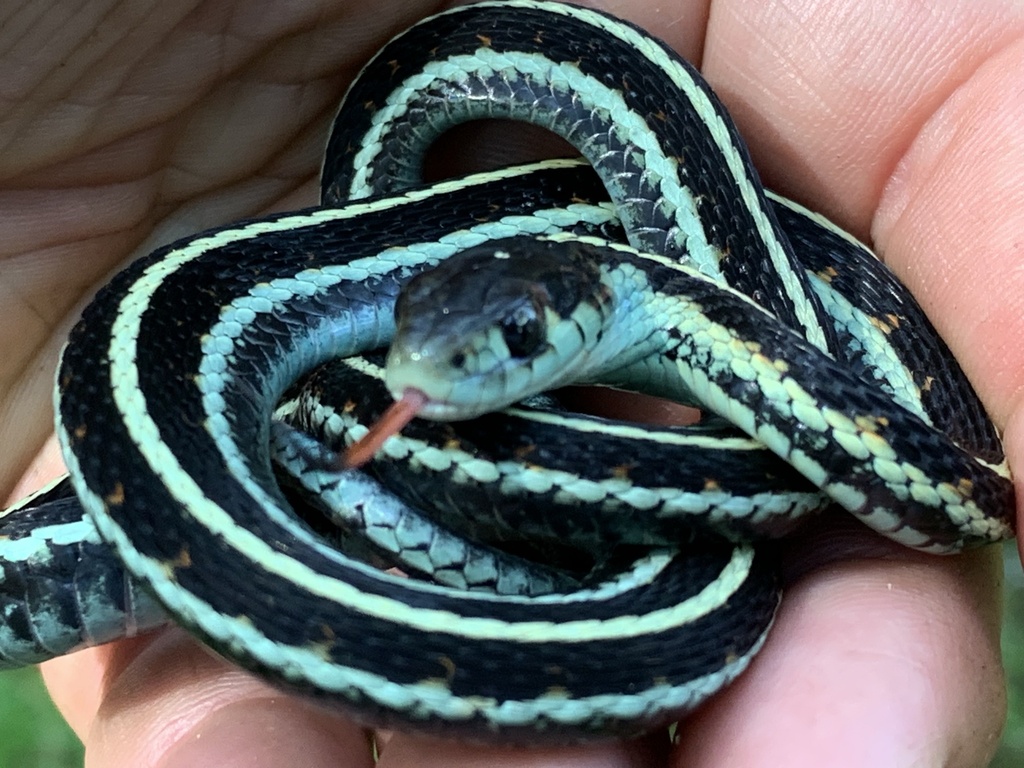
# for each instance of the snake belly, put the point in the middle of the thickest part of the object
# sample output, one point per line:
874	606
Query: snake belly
165	424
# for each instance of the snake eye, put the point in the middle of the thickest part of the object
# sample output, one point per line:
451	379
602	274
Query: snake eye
523	331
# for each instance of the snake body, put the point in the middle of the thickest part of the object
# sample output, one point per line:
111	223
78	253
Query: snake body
166	423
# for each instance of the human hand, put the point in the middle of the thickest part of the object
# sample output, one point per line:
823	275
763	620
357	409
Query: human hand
900	126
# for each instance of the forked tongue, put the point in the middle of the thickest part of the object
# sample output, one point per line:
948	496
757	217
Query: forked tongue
391	422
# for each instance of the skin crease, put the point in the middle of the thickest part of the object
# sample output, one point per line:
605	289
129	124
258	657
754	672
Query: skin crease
130	123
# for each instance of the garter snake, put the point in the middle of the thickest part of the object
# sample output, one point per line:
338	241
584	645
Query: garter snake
165	416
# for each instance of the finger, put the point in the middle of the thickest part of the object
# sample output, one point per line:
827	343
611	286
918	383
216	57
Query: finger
831	96
165	701
950	222
403	751
870	663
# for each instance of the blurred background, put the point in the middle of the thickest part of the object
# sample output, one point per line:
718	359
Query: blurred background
32	735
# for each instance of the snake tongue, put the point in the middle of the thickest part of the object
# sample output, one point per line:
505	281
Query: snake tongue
391	422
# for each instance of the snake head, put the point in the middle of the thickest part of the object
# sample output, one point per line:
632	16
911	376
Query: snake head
494	324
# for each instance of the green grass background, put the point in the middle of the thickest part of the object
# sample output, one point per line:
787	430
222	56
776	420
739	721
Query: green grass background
32	735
